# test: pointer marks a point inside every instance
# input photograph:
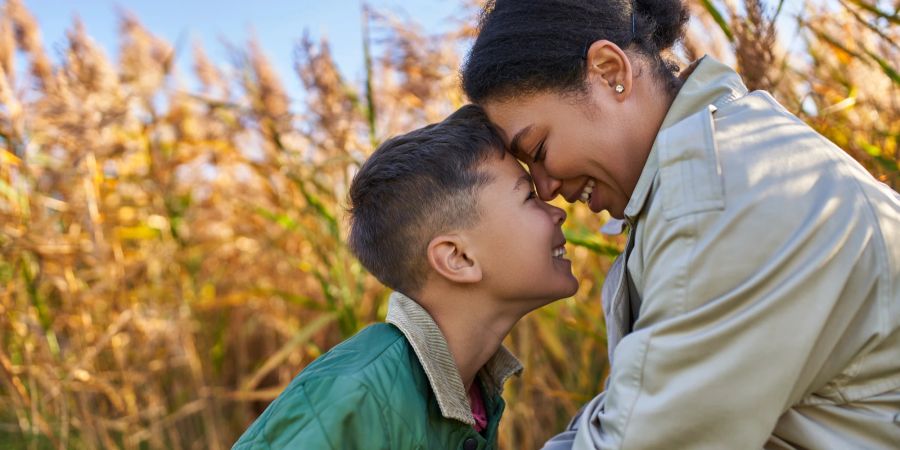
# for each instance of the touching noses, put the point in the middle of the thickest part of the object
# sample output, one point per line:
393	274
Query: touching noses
547	186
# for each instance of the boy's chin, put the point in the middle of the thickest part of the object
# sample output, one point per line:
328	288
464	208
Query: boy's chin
565	285
571	292
564	293
571	282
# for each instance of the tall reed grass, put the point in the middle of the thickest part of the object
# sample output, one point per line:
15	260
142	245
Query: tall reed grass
170	258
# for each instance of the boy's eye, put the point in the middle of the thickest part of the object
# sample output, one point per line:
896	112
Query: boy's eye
531	195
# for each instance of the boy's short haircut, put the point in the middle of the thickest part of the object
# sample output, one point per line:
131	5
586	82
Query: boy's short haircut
416	186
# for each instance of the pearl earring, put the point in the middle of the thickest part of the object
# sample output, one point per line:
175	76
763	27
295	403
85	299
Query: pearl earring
620	89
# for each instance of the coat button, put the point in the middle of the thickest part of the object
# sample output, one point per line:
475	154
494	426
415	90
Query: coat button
470	444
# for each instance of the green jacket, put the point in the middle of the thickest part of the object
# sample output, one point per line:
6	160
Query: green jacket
391	386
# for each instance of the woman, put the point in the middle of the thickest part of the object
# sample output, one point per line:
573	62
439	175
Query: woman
757	303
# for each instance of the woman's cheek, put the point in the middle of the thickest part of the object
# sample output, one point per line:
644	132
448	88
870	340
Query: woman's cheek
551	168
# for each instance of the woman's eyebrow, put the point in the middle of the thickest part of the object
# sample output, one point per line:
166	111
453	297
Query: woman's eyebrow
515	144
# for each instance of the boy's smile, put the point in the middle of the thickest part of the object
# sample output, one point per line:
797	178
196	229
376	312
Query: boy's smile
519	239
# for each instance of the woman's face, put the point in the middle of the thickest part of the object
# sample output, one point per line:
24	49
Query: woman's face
580	146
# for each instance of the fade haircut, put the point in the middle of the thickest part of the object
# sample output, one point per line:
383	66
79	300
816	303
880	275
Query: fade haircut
416	186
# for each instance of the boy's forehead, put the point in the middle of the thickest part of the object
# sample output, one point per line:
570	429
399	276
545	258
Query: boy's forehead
506	170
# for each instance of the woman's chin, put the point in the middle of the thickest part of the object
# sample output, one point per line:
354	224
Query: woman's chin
595	204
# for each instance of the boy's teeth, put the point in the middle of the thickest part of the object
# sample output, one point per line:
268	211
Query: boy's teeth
559	252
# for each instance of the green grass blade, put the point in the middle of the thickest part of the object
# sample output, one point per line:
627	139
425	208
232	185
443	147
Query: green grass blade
719	18
591	242
892	18
885	67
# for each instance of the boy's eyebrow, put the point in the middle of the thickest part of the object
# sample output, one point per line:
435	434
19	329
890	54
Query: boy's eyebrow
524	179
514	144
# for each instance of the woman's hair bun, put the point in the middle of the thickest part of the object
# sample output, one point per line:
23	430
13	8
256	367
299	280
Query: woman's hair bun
661	21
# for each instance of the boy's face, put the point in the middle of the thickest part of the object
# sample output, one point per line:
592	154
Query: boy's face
519	239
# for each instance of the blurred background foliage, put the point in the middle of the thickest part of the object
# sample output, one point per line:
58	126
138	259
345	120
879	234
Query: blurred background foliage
170	258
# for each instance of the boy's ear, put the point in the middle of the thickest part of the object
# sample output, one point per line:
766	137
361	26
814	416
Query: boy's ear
447	256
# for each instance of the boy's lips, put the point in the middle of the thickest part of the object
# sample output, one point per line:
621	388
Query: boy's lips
559	250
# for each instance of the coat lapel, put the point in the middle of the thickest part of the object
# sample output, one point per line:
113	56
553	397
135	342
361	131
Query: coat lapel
617	302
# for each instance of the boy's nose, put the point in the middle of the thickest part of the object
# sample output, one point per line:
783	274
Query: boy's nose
559	214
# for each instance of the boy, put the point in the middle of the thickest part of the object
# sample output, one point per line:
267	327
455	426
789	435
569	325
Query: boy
450	222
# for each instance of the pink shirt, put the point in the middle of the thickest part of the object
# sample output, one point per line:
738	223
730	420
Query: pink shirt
478	411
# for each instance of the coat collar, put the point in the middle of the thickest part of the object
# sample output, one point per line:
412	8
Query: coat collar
710	83
433	353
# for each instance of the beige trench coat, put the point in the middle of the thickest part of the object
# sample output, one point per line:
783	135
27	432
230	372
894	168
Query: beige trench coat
761	303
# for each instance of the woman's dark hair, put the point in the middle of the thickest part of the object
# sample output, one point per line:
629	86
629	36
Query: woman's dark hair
529	46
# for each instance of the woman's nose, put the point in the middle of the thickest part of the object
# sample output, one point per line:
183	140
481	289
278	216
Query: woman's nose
547	186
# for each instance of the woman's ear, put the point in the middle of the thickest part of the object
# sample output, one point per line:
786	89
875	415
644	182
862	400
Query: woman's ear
609	63
447	256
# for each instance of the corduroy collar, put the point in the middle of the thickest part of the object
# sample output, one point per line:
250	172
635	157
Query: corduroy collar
431	348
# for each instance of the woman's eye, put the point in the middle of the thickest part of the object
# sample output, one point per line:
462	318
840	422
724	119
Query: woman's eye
539	153
531	195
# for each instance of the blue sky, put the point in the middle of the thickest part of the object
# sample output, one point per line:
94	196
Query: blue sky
277	24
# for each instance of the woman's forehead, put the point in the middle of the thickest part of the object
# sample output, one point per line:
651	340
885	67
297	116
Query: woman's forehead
512	117
525	110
